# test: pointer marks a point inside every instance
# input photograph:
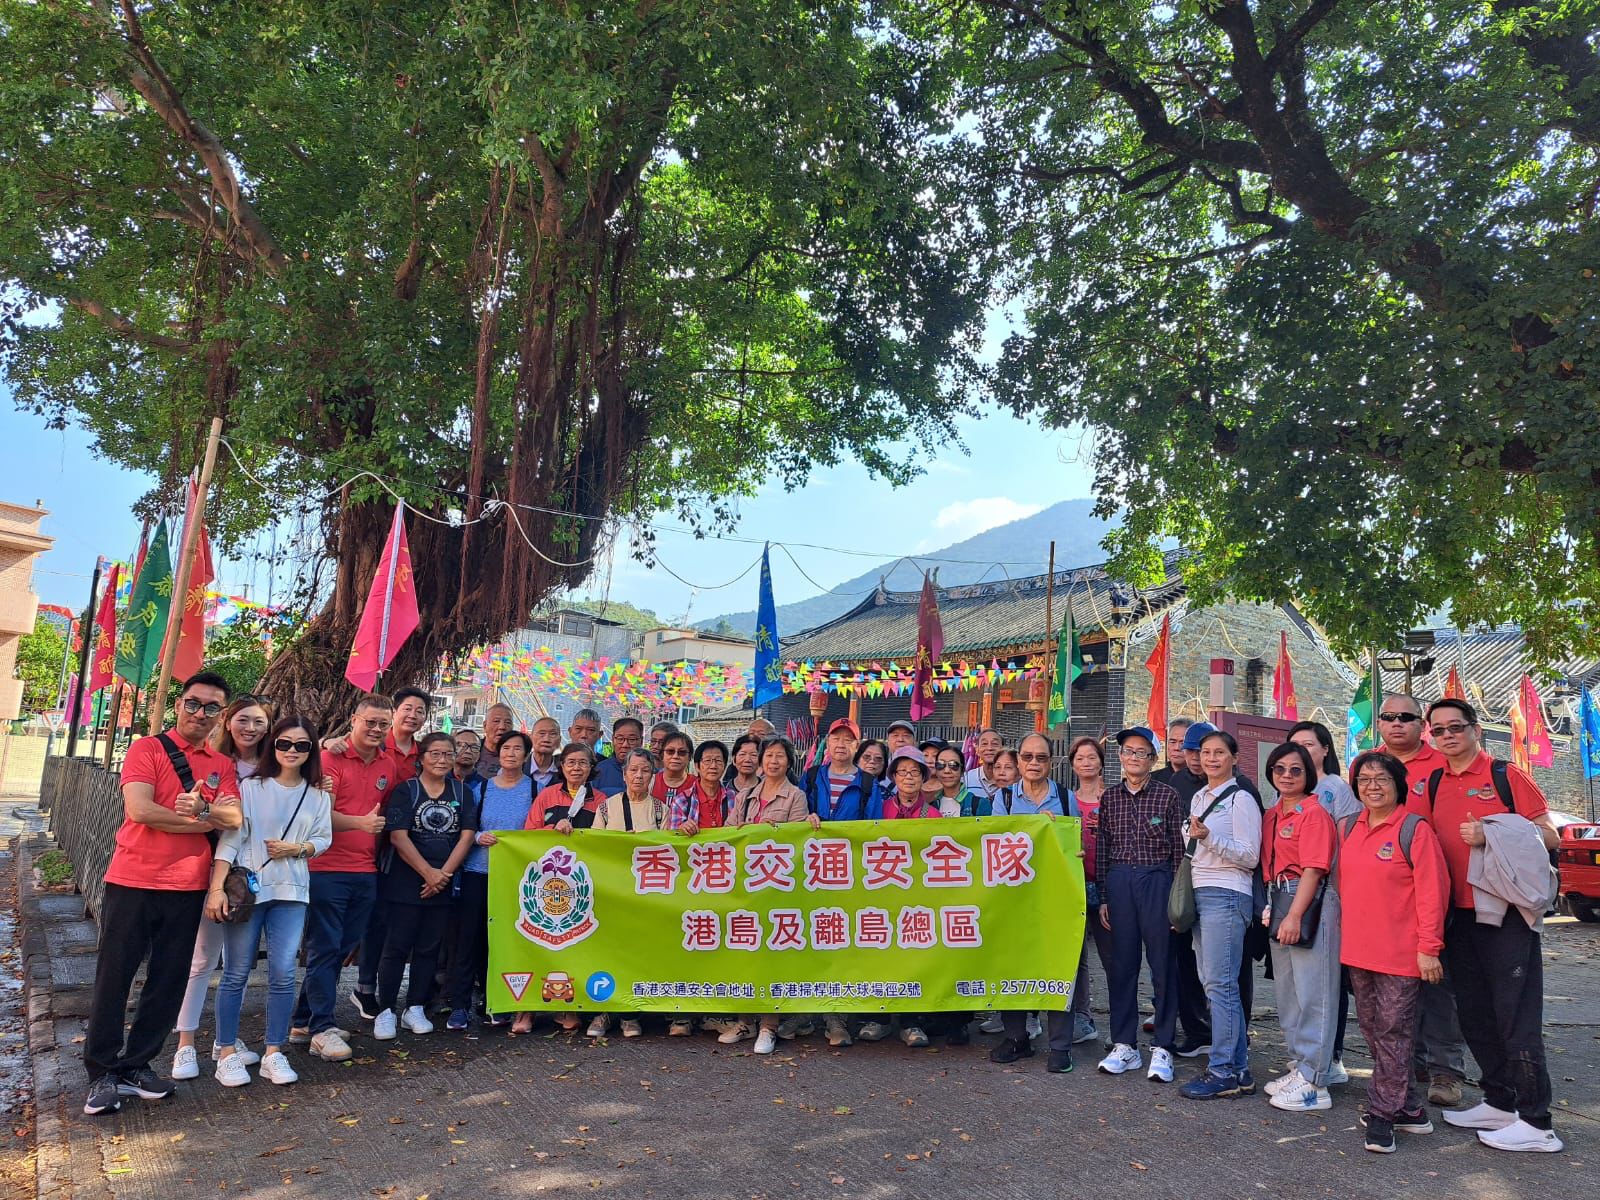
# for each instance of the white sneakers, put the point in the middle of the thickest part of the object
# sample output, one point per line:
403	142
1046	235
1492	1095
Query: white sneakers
415	1019
838	1031
598	1026
231	1072
874	1031
250	1057
1480	1116
384	1026
1520	1137
735	1033
993	1023
682	1027
1337	1075
1123	1057
1291	1080
914	1036
186	1063
330	1046
275	1067
1300	1096
766	1042
631	1028
1160	1064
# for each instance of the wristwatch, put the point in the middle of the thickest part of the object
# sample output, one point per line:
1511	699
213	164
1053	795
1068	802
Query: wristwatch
204	811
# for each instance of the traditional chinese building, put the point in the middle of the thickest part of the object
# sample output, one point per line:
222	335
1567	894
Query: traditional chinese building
20	543
1013	624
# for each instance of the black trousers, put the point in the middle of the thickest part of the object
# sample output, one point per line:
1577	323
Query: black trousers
139	924
1499	974
469	950
1136	900
1194	1013
416	932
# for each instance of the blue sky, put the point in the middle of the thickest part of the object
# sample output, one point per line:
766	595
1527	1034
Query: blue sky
1008	469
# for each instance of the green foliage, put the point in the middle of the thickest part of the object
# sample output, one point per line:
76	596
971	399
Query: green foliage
54	867
617	610
1322	274
585	258
238	653
39	656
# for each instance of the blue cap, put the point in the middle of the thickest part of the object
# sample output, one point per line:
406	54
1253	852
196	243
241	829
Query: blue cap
1136	731
1196	734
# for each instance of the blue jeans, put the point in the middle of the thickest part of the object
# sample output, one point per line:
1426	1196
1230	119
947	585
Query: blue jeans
1218	950
283	921
341	902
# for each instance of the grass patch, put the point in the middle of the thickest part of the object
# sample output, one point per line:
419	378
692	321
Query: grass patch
54	868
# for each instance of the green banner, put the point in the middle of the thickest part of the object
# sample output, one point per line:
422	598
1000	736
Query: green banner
857	916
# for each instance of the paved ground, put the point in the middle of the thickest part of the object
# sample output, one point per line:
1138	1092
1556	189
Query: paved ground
452	1116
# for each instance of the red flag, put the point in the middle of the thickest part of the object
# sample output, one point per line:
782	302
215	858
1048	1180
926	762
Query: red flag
103	653
1452	686
1283	682
1540	751
1158	662
1519	734
930	645
390	615
191	655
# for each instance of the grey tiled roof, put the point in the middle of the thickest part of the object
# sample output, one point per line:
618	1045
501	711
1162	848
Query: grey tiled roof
1492	663
984	618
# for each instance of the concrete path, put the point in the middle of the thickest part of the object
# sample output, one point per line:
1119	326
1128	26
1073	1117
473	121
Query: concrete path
553	1115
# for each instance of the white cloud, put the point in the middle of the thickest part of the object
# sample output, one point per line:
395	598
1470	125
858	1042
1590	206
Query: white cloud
967	518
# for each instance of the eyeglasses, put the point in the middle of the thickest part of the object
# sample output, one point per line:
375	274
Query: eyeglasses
1288	770
1134	753
1372	781
949	765
1453	730
440	754
675	752
298	745
1401	718
193	706
1025	757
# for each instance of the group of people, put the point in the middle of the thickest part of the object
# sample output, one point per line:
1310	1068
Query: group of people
241	826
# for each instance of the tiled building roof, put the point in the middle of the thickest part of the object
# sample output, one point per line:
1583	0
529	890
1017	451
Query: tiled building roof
1491	663
987	618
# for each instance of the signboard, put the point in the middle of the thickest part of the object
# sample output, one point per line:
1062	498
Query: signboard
857	916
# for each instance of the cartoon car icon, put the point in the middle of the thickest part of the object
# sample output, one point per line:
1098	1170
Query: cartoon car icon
557	987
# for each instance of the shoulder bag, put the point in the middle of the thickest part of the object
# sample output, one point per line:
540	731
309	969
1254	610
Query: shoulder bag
1181	912
240	886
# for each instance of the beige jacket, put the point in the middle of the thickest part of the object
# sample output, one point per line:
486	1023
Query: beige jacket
788	805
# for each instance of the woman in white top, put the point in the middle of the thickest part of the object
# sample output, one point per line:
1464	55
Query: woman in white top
1225	827
241	734
287	820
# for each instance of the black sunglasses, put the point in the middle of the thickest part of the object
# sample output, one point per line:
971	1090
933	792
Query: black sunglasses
1399	718
298	745
193	706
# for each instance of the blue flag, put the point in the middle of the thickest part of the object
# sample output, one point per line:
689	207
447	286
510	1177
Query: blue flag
1589	735
769	667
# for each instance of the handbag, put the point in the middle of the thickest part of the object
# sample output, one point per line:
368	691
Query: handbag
241	886
1282	897
1181	911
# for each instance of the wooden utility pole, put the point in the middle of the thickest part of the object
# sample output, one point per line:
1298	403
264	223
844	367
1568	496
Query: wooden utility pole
75	700
180	581
1043	718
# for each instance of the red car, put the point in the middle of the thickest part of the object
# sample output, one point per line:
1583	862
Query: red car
1580	869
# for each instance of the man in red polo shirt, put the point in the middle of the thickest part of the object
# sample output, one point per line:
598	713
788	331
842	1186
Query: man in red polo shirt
1499	968
155	893
344	878
1441	1051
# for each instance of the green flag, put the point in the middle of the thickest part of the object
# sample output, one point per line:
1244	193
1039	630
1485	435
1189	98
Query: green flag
1069	665
145	626
1361	722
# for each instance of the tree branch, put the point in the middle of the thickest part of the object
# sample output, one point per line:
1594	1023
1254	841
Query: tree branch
1289	40
1566	52
159	92
118	323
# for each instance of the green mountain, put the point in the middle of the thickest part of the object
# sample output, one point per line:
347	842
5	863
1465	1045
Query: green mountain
1023	547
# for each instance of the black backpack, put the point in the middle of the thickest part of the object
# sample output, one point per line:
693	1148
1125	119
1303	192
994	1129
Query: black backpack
1497	772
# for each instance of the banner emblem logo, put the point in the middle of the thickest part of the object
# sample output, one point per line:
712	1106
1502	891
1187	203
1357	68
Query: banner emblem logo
557	901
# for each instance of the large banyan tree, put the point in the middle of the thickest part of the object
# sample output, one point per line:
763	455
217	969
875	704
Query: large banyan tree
525	264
